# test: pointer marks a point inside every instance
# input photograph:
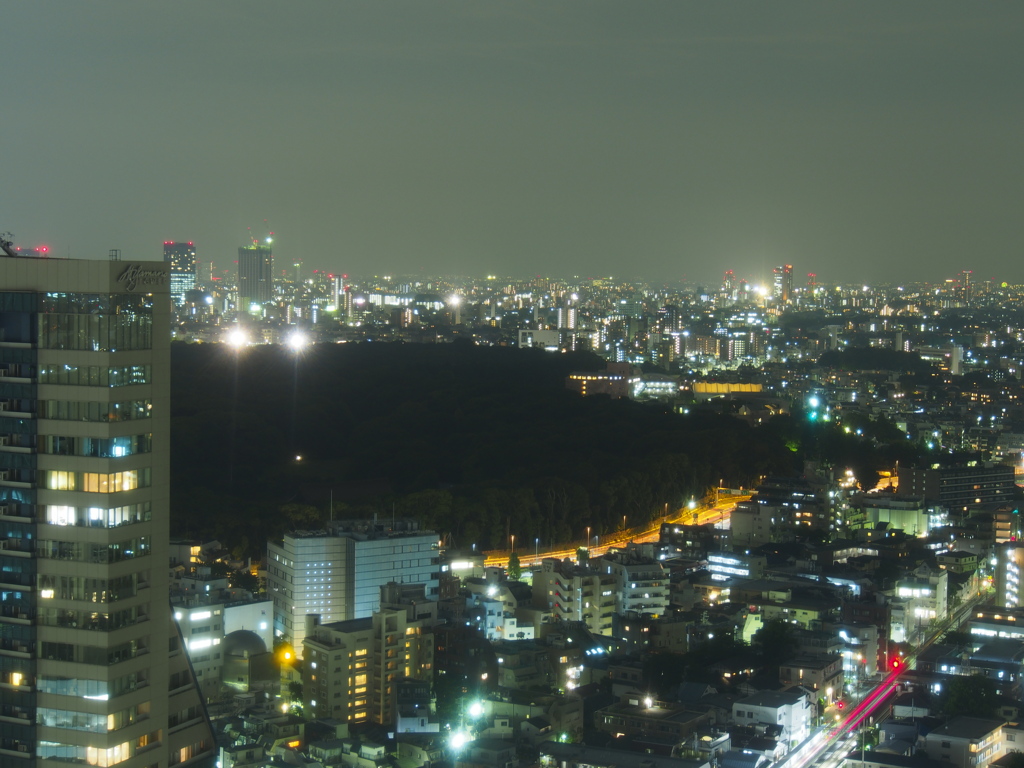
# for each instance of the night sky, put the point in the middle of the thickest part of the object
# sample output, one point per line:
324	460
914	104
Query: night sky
867	141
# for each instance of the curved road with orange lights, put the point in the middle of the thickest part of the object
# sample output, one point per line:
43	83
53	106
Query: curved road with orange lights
702	514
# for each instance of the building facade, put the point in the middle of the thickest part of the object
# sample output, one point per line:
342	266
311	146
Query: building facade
576	593
792	711
338	574
182	258
1009	563
255	276
353	667
961	485
92	668
641	583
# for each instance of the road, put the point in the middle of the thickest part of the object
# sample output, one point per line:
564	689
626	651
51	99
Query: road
713	513
829	746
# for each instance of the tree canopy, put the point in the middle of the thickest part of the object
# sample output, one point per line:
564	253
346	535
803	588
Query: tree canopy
973	695
476	442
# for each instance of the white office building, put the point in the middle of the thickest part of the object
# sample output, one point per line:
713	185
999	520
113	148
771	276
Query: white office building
337	574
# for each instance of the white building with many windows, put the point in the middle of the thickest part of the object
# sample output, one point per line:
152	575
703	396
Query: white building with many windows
641	583
337	573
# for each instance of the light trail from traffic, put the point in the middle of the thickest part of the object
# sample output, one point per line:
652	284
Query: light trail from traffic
828	737
702	514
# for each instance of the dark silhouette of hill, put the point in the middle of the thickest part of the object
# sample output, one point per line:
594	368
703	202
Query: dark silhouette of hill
476	441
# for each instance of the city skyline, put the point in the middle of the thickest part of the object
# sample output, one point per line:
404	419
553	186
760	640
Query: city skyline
874	143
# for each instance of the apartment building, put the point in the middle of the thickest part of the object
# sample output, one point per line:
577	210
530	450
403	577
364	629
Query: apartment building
92	669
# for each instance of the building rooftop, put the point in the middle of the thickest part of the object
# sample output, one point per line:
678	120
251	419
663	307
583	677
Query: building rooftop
350	625
774	698
813	662
601	757
964	727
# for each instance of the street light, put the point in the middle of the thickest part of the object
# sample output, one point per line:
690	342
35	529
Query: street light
536	549
298	341
237	338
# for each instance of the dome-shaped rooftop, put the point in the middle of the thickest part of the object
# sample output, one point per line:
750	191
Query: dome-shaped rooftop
244	643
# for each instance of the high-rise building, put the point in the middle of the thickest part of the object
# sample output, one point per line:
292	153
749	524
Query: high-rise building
182	258
729	282
338	574
255	275
966	288
92	668
783	283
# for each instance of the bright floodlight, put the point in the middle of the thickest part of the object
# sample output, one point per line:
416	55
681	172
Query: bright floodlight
476	709
298	340
238	338
454	300
458	740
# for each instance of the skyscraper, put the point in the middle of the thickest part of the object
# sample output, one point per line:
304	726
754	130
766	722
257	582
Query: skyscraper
966	288
255	275
182	258
92	668
783	283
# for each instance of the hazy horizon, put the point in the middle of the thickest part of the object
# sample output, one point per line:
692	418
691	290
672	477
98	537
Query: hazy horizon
663	141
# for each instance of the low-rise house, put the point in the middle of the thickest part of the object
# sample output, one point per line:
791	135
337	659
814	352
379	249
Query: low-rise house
959	561
822	674
793	711
966	741
488	753
644	716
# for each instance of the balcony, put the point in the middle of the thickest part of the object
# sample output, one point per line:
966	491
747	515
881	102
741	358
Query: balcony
16	648
10	512
16	546
15	615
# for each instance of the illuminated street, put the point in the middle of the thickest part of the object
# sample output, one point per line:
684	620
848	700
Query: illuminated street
717	514
830	745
